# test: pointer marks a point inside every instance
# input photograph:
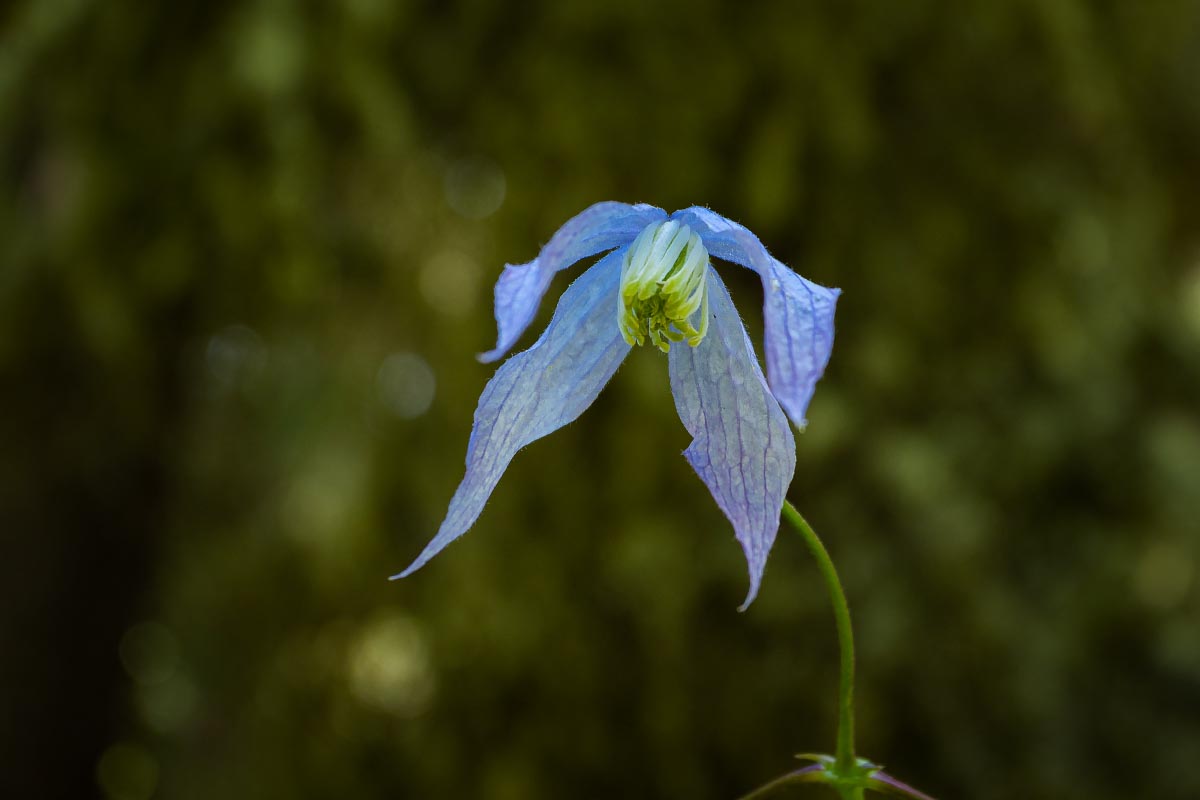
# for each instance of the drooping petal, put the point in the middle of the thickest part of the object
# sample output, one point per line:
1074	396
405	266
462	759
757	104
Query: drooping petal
537	392
742	446
797	313
521	286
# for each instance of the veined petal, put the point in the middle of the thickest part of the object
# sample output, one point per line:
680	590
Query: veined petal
521	286
537	392
797	313
742	446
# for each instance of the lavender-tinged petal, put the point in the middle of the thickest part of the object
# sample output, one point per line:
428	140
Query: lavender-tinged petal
742	446
521	286
538	391
797	313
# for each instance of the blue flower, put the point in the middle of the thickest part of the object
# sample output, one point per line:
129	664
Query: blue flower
656	286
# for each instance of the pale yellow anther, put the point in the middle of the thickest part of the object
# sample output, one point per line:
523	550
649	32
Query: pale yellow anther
663	285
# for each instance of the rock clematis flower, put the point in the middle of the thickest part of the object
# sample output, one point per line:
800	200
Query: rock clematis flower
656	286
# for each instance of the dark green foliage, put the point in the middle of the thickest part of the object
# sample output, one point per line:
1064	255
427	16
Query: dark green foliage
238	239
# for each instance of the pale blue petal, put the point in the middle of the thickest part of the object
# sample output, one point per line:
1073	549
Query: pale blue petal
742	446
521	286
538	391
797	313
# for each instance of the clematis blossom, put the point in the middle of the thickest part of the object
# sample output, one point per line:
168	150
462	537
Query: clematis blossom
655	285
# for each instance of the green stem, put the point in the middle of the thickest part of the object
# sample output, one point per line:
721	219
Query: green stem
844	761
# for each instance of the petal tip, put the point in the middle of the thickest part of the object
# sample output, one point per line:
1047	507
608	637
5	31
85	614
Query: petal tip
490	356
750	596
409	570
424	558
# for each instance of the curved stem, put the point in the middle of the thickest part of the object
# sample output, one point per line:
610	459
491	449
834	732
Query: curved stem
844	761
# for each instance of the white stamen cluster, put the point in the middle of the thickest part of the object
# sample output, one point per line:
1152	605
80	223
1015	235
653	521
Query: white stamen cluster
663	283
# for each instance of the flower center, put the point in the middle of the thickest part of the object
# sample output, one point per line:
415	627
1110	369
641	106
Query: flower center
663	283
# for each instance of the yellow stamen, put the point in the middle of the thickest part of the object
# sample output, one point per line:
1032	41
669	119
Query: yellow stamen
663	285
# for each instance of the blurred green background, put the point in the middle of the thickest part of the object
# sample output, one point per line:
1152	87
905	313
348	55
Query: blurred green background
247	258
